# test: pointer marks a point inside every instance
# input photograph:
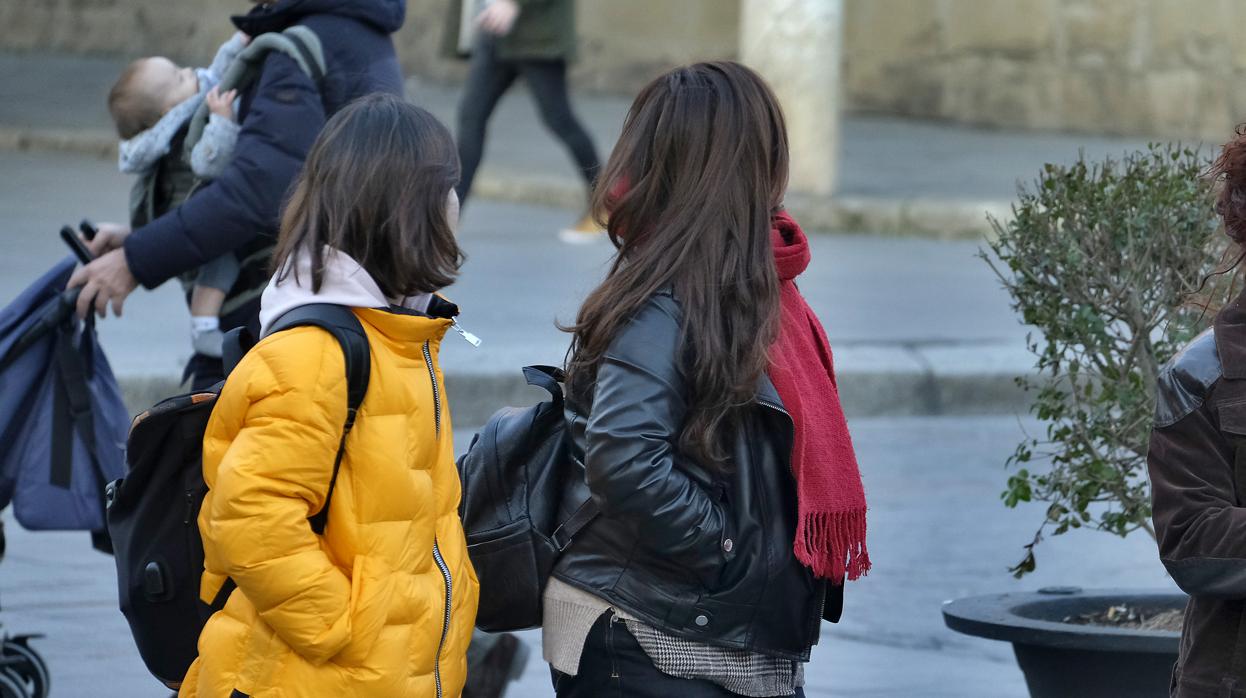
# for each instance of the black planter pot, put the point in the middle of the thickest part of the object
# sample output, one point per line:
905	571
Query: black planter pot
1063	660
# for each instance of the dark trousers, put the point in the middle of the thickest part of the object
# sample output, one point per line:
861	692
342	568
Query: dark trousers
488	79
614	665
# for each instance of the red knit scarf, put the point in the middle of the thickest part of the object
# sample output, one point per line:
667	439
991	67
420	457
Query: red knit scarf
830	533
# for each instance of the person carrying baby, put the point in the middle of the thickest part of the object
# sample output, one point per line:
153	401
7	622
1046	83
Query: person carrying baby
152	104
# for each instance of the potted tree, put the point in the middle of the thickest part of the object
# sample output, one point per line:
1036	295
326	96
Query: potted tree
1103	260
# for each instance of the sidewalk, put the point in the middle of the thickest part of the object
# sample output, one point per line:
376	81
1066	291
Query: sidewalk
918	326
896	176
937	531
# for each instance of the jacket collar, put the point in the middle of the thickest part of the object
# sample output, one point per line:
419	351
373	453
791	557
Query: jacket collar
344	282
1231	338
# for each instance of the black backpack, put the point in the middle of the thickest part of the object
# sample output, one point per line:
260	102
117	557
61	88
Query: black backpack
153	512
524	500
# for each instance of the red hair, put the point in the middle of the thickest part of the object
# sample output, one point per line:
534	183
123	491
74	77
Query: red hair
1230	171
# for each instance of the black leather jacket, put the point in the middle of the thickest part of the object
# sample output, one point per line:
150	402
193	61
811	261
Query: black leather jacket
702	556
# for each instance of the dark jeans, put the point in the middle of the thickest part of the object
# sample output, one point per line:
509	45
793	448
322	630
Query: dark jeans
614	665
488	79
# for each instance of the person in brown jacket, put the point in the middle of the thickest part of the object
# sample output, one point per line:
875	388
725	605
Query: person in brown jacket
1197	463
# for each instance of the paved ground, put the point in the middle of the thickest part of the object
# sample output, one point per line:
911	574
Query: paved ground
896	175
918	325
937	532
909	317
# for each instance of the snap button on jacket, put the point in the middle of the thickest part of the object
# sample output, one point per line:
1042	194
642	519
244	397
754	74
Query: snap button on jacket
384	603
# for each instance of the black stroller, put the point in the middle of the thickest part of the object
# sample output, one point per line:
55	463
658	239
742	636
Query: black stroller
23	673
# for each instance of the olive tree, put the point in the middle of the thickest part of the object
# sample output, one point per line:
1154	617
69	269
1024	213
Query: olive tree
1102	259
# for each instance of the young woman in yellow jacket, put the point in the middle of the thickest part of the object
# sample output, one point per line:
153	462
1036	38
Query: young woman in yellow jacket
384	602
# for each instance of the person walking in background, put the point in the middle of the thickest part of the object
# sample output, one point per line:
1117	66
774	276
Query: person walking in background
237	212
702	397
508	39
1195	464
384	602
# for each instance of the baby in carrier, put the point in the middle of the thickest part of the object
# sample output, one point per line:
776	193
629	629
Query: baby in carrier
152	104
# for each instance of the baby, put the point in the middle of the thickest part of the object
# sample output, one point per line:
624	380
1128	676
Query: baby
151	104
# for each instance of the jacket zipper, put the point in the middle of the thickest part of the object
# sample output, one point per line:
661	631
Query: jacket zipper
467	336
614	660
774	407
445	626
437	558
432	376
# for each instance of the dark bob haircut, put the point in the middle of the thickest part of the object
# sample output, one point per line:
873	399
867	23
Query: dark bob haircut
375	186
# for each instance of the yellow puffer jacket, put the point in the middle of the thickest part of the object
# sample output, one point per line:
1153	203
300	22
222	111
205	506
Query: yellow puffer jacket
384	603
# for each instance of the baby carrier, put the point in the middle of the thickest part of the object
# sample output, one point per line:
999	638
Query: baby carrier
171	182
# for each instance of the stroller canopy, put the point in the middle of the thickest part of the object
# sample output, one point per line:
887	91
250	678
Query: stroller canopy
62	421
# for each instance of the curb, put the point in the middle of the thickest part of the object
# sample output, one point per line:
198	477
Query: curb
94	143
940	219
918	393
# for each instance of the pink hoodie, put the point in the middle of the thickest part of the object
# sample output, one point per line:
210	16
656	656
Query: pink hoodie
344	283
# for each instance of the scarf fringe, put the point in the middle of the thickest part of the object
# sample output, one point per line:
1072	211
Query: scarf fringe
832	544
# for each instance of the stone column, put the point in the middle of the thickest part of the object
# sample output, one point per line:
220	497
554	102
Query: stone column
795	46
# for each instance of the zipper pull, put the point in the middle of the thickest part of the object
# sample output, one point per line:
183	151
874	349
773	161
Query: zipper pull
471	338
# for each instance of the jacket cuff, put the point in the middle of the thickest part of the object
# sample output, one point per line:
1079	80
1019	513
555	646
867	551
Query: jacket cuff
142	252
1221	578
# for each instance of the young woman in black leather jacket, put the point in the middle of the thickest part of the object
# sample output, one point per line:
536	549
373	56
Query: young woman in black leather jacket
703	399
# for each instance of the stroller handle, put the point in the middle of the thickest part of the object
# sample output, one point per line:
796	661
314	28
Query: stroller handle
55	311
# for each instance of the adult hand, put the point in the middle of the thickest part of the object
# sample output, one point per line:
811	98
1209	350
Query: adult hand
103	281
110	236
498	17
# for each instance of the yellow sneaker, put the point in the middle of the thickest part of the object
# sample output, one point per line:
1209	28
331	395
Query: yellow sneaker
585	232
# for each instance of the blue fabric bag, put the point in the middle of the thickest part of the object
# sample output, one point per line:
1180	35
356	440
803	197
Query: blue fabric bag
63	424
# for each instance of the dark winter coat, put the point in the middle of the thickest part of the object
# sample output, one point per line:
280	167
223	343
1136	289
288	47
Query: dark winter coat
697	554
280	118
544	30
1197	463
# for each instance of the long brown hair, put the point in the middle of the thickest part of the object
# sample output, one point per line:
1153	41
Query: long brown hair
375	186
690	189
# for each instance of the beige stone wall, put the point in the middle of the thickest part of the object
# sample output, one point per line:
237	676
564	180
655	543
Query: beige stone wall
178	28
622	43
1153	67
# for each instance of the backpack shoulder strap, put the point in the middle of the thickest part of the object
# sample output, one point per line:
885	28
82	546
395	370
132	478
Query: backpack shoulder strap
340	322
550	378
584	515
306	49
298	42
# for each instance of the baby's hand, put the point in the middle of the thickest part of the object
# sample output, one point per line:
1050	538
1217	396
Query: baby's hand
221	104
